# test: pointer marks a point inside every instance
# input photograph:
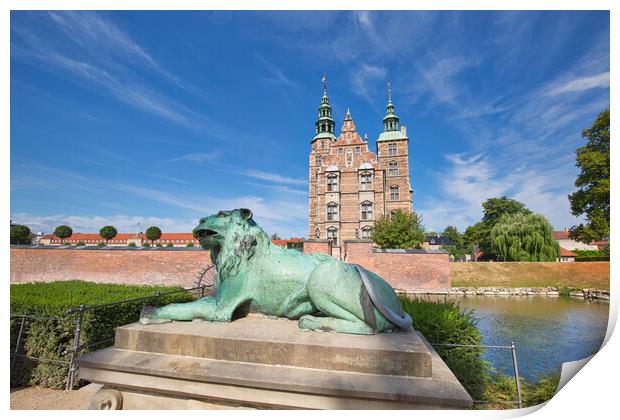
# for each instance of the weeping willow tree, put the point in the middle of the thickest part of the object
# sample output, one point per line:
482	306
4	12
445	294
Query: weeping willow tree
524	237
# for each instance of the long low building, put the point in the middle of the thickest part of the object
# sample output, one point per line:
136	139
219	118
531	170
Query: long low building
121	239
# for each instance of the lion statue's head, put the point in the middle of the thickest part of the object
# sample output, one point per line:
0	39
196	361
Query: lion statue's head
232	237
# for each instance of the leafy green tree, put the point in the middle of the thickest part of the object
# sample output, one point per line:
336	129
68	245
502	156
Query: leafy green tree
401	230
473	235
107	233
20	235
452	233
153	233
592	197
275	236
524	237
494	208
63	232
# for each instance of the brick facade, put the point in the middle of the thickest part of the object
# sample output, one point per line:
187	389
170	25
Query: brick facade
406	271
351	186
154	267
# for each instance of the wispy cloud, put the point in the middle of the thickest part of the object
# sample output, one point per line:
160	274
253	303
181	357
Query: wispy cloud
97	54
364	79
88	224
273	177
277	76
581	84
198	157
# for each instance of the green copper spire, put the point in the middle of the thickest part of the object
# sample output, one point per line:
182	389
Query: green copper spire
325	123
390	121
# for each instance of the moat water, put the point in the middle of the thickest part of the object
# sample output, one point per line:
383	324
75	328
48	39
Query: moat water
547	331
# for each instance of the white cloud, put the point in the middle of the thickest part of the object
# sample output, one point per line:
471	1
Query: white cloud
198	157
470	180
364	79
581	84
92	224
272	177
277	75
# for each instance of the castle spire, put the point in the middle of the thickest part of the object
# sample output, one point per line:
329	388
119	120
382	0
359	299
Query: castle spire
390	121
325	123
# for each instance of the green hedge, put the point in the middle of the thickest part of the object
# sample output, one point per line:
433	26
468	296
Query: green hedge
447	323
588	259
49	338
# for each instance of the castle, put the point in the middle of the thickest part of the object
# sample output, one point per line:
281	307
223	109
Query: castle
351	186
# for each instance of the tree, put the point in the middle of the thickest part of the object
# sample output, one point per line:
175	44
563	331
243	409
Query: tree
63	232
153	233
20	235
458	249
452	233
473	235
494	208
107	233
592	197
524	237
275	236
402	230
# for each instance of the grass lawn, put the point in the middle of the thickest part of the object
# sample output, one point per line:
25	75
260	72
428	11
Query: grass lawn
581	275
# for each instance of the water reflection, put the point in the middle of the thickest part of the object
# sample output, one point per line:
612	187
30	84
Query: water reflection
547	331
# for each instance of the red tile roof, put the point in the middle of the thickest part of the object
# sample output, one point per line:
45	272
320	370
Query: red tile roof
165	237
560	234
566	253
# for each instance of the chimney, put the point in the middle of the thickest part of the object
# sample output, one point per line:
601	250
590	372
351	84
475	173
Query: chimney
403	129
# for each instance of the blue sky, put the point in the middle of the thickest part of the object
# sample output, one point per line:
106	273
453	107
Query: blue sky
165	117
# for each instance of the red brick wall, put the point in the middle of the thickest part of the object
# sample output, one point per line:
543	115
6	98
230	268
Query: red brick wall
312	247
161	267
404	271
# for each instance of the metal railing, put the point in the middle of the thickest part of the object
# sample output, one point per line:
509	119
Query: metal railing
515	366
76	348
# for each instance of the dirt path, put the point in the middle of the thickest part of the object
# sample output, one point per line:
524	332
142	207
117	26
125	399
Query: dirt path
37	398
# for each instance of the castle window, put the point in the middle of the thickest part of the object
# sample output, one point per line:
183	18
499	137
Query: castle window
358	150
391	149
322	144
366	208
366	231
332	183
332	211
393	168
394	193
349	157
366	181
340	151
332	234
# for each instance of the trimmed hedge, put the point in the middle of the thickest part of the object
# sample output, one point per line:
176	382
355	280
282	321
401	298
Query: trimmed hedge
588	259
49	338
446	323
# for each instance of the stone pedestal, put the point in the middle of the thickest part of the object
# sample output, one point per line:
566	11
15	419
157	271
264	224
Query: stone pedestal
256	362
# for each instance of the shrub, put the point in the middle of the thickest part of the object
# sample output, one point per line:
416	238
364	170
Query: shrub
80	243
49	338
541	391
169	245
588	259
446	323
101	243
20	235
131	244
146	245
190	245
159	245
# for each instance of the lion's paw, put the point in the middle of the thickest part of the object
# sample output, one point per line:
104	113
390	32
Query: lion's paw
147	316
308	323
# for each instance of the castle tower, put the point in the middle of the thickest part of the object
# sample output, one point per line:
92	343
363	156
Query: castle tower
393	154
350	186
